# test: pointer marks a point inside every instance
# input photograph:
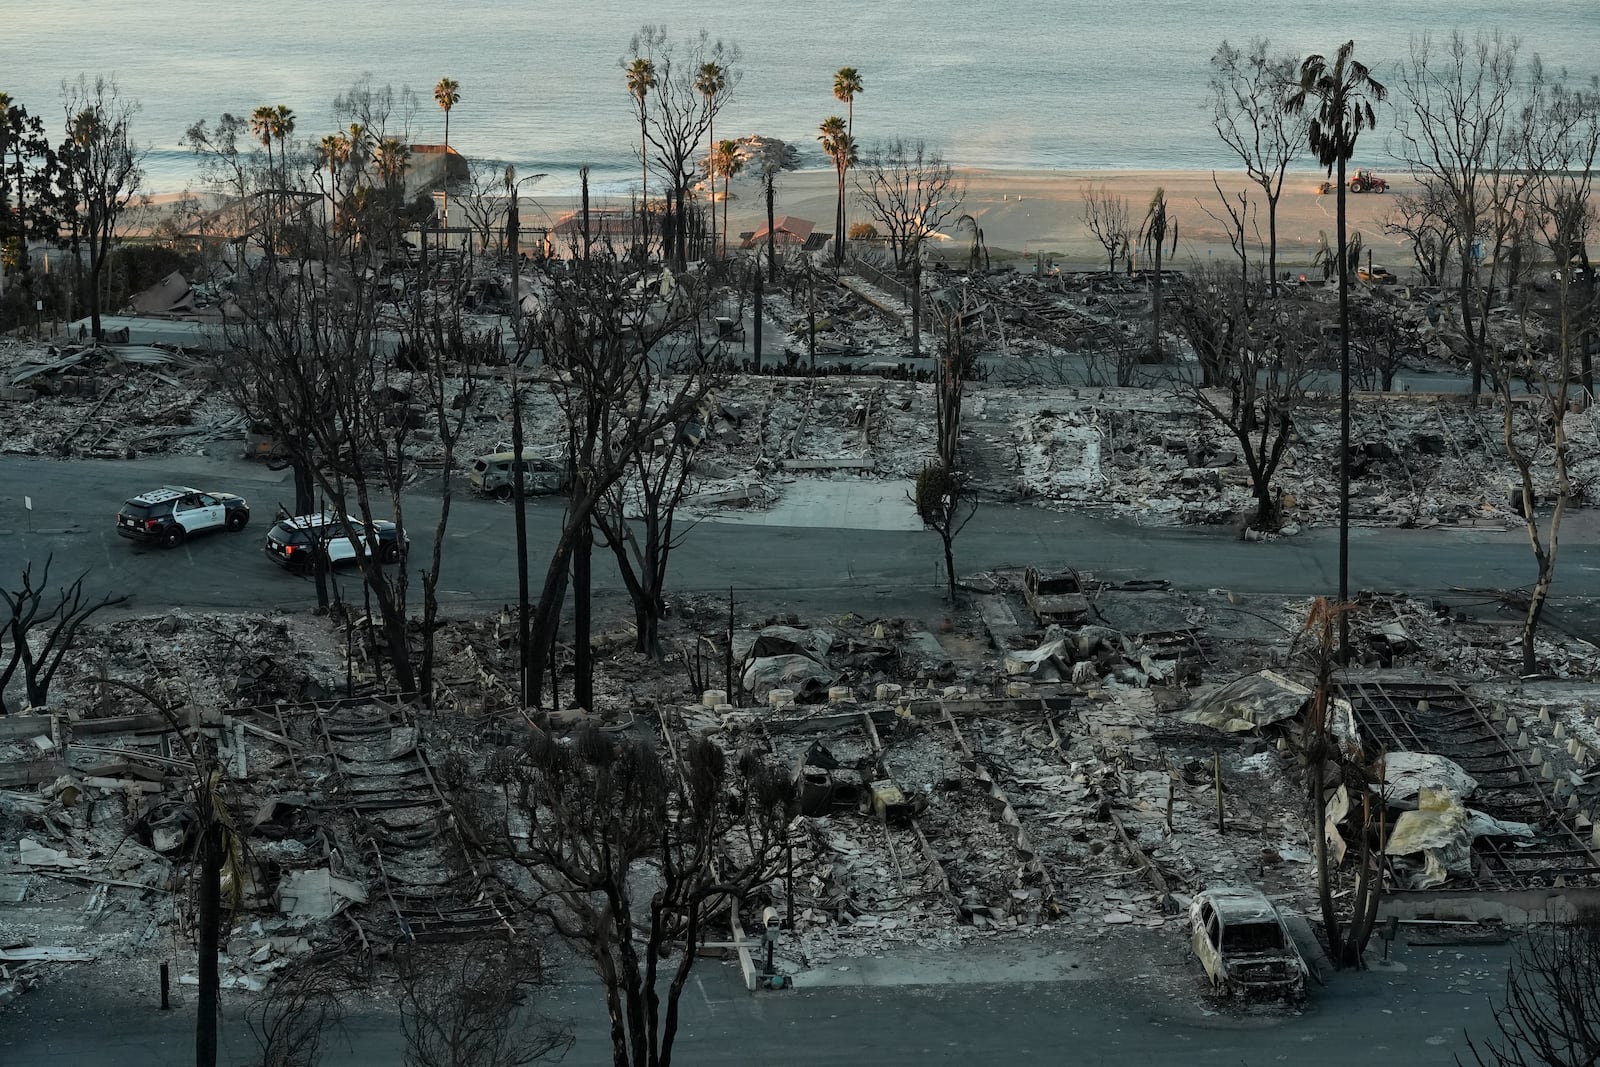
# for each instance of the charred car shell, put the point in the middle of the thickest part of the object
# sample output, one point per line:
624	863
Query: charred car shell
1244	946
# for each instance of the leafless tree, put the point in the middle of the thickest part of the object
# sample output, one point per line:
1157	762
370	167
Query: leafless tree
631	856
1550	1013
1253	357
104	167
911	191
678	116
30	620
443	356
1380	342
473	1009
1240	213
300	1009
1461	126
627	369
1563	138
307	362
1248	93
231	166
1427	220
483	200
214	849
657	479
1106	216
380	111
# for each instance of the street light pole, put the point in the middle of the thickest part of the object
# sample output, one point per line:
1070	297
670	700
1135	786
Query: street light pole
513	232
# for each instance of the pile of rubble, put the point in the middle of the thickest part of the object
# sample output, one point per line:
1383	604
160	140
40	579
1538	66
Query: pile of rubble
1085	775
109	401
1148	453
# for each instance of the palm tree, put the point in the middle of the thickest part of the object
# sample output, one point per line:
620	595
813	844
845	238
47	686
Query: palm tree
711	80
841	148
641	78
262	121
390	156
846	84
728	163
1344	93
360	144
261	124
447	94
282	126
335	149
1153	237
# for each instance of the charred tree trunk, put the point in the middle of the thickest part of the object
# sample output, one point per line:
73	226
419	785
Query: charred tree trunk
1272	243
1317	757
546	618
1155	309
772	246
948	536
583	180
582	650
681	248
811	314
1536	605
916	303
1364	909
209	892
305	503
756	343
1474	353
513	247
680	977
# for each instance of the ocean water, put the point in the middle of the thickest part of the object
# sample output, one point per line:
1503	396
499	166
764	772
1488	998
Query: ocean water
1000	83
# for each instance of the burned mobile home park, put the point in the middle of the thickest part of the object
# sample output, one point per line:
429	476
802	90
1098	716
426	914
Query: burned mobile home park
614	594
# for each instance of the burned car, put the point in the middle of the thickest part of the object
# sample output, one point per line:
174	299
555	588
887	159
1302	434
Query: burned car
492	474
1244	946
1054	597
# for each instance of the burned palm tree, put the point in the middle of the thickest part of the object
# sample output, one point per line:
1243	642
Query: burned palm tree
1343	93
1159	226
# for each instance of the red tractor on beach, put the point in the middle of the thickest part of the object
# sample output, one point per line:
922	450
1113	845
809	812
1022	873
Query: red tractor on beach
1365	181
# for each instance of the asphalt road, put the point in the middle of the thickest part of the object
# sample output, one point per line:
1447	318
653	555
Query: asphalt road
1414	1014
795	568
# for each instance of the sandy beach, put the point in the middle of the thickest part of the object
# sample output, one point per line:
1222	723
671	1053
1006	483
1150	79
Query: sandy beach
1024	213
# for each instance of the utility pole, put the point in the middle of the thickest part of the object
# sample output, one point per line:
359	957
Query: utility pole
518	500
757	344
1344	424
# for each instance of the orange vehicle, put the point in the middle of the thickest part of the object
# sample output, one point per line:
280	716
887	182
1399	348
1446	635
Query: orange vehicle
1365	181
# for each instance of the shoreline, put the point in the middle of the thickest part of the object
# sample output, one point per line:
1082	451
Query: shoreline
1028	213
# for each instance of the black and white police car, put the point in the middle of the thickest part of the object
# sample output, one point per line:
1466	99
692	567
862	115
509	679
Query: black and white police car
294	543
168	515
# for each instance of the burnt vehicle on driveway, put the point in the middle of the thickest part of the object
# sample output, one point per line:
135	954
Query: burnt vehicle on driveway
1054	596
